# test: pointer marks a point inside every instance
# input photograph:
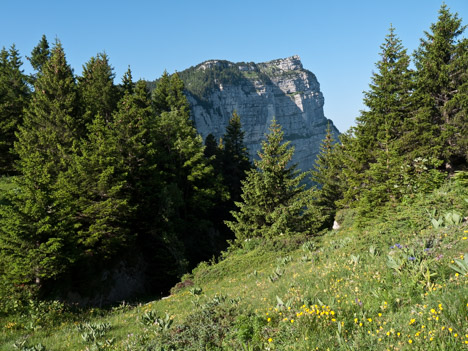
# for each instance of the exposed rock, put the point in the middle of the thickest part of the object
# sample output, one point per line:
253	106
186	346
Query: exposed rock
280	89
336	225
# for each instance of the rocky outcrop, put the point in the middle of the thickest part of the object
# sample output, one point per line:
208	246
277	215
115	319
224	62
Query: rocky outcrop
280	89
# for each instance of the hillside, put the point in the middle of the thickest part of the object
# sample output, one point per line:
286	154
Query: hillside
399	282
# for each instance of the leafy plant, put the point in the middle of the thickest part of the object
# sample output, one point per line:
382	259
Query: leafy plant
283	261
308	246
450	218
276	274
164	323
195	291
22	346
91	332
461	266
373	251
355	259
149	318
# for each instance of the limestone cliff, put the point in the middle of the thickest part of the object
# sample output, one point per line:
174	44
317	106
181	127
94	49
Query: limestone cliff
280	89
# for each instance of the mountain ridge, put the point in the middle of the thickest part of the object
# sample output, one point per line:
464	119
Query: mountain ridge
258	92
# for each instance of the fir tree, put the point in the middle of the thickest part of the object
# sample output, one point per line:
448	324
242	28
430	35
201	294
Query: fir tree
211	149
169	95
35	238
39	55
98	93
91	192
372	164
235	158
127	85
274	202
14	96
190	187
437	130
326	174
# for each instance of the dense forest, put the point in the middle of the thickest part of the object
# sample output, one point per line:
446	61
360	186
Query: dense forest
105	182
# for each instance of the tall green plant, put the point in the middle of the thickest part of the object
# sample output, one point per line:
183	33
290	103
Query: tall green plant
274	201
36	239
98	93
326	174
373	152
14	97
438	129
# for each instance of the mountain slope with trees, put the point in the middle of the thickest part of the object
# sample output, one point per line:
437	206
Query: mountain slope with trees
102	201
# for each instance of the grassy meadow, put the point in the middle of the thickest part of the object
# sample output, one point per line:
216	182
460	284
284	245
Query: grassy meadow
399	282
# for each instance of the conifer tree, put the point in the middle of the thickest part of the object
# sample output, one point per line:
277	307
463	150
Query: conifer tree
98	93
127	82
326	174
211	148
372	164
438	130
274	202
235	158
169	95
39	55
36	240
91	192
190	187
132	130
14	96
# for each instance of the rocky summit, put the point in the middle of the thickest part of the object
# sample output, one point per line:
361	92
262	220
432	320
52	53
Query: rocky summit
259	92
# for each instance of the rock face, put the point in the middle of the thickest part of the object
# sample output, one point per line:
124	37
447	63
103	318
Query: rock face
280	89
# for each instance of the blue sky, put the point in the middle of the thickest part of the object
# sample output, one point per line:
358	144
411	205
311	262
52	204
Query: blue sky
338	40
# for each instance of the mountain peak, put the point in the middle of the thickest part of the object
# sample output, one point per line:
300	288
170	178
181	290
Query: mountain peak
259	92
292	63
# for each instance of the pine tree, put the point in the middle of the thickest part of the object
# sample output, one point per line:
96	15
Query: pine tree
437	130
36	240
274	201
98	93
14	97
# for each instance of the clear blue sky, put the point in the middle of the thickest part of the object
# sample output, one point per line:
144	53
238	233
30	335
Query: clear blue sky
338	40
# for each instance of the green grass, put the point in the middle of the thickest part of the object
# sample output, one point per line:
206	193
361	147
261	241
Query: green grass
388	284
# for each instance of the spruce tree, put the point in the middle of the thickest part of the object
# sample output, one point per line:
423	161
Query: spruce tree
326	174
190	187
211	148
274	201
169	95
91	192
98	93
39	56
371	167
127	85
235	158
36	240
438	128
14	96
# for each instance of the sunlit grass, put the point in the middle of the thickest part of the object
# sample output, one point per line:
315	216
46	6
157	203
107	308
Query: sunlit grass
386	286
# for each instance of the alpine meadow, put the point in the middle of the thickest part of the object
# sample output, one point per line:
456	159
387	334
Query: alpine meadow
122	229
